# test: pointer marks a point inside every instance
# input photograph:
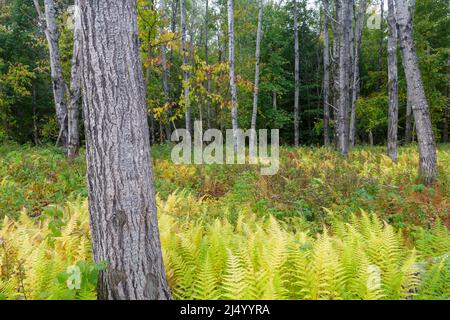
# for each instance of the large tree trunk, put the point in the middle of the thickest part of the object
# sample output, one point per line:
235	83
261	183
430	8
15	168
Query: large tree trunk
326	75
185	66
427	148
234	102
257	57
59	85
392	83
344	56
120	181
75	89
296	78
359	25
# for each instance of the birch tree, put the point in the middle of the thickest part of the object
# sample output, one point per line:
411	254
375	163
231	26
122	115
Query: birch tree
185	66
408	122
359	25
296	78
419	104
392	83
122	206
234	103
47	20
257	58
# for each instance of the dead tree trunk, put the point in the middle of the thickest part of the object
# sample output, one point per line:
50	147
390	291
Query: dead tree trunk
427	148
122	206
359	25
257	57
326	75
344	56
296	78
185	66
234	102
48	23
392	83
75	89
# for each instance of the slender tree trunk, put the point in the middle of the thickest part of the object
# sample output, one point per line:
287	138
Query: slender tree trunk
447	109
427	148
122	206
296	78
274	100
59	85
257	57
392	83
408	122
75	89
165	77
336	59
326	75
344	56
35	127
208	75
381	45
185	66
355	83
147	81
234	102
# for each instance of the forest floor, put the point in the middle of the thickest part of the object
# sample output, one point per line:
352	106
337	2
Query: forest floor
323	227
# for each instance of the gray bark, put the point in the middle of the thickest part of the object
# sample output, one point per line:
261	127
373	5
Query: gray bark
185	66
257	58
234	102
296	78
326	75
73	145
427	148
59	85
408	122
164	74
122	206
344	80
392	83
336	58
381	44
359	25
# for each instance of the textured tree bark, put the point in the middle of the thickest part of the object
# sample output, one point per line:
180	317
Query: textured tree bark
73	145
427	148
336	59
296	78
185	66
257	57
326	75
359	24
392	83
234	102
165	77
408	122
344	56
59	85
120	181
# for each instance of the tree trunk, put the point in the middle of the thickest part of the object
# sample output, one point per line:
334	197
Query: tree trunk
336	45
185	66
208	75
234	102
392	83
408	127
447	109
165	78
147	81
326	75
344	56
296	78
257	57
355	83
35	127
75	89
381	45
120	180
427	148
59	85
